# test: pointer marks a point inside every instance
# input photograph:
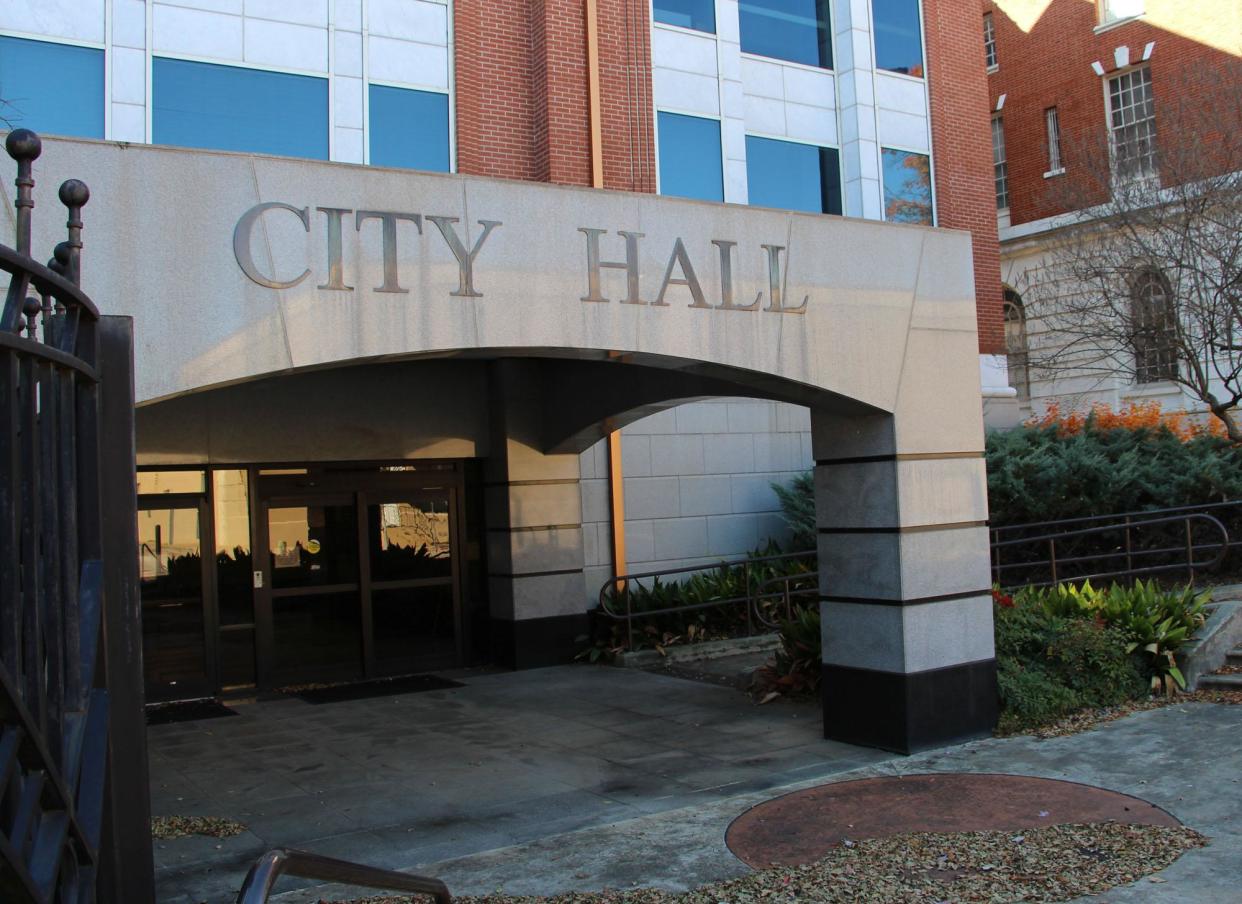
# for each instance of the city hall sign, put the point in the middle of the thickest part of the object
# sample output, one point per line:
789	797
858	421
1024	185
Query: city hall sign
679	270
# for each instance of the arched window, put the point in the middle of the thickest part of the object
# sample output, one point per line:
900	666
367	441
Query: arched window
1154	327
1015	344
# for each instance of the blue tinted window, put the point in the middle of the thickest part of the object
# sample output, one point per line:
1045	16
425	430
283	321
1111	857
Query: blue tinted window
56	89
202	105
795	30
700	14
898	43
907	187
793	176
690	164
409	128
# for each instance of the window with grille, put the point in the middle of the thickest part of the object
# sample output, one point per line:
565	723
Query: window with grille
999	166
989	41
1053	124
1132	124
1015	345
1154	328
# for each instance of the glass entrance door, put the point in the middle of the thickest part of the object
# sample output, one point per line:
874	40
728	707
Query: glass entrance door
172	581
412	580
314	588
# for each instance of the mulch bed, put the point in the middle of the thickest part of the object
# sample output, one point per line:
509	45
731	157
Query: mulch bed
1056	863
164	828
1090	718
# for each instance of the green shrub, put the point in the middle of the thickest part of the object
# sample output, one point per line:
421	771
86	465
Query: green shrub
1155	622
1050	665
798	509
1038	474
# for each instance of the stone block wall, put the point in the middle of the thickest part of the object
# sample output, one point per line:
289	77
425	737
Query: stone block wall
697	484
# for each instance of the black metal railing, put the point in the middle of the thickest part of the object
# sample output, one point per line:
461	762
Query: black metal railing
1190	539
764	600
57	837
305	865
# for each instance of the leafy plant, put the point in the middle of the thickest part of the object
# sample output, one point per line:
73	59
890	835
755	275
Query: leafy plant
797	667
1051	664
1155	622
798	509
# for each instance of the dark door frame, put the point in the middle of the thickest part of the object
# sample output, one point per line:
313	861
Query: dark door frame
318	482
206	539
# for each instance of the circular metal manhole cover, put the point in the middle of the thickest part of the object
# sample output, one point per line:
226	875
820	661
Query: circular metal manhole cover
802	826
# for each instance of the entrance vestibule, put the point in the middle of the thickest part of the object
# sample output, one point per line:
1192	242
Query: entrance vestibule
363	575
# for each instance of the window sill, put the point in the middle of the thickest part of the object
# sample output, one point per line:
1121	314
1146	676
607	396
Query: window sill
1150	390
993	69
1060	171
684	30
809	67
1117	23
1002	218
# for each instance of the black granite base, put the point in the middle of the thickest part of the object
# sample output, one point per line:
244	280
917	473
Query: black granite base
906	713
533	643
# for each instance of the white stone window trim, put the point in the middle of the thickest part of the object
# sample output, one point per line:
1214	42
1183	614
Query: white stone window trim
655	143
235	64
49	39
1053	173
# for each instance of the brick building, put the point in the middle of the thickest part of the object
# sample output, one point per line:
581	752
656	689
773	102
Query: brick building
864	111
1098	107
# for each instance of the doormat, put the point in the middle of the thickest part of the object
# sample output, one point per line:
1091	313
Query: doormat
365	690
186	711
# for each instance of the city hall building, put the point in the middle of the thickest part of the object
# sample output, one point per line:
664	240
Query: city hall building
448	312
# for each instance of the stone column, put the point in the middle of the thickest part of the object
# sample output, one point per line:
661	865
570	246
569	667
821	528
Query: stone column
534	528
901	499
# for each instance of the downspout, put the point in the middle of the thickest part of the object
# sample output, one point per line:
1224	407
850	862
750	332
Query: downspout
616	477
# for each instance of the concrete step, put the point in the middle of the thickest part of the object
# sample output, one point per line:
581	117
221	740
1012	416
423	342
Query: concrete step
1227	682
1234	657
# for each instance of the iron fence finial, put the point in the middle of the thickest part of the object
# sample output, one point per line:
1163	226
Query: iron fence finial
74	194
24	146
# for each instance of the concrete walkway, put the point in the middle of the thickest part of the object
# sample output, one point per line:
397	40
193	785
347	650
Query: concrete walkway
581	778
510	758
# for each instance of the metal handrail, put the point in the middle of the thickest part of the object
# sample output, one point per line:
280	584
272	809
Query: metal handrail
751	599
1140	513
305	865
1129	553
786	594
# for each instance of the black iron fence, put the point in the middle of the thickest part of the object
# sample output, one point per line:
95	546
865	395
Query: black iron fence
1183	543
66	458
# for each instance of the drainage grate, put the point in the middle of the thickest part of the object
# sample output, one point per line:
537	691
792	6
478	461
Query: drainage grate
365	690
186	711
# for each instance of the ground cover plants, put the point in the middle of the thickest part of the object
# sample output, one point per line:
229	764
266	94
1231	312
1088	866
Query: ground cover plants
1068	648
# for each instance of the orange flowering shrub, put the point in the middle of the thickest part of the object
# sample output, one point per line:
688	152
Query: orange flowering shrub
1131	416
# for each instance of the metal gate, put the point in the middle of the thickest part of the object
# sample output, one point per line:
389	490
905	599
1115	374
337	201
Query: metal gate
72	738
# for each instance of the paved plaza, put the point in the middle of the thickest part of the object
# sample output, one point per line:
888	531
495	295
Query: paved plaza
507	759
585	777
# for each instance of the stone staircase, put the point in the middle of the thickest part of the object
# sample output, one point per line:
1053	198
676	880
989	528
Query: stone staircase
1227	678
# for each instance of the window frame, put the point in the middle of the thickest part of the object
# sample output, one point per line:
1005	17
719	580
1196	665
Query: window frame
875	56
1106	21
1000	163
1150	169
451	122
724	172
1052	135
826	6
1143	316
326	78
105	67
1017	343
990	58
931	179
803	143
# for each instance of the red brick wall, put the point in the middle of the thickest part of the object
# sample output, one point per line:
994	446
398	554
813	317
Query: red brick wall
522	98
1050	65
962	148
